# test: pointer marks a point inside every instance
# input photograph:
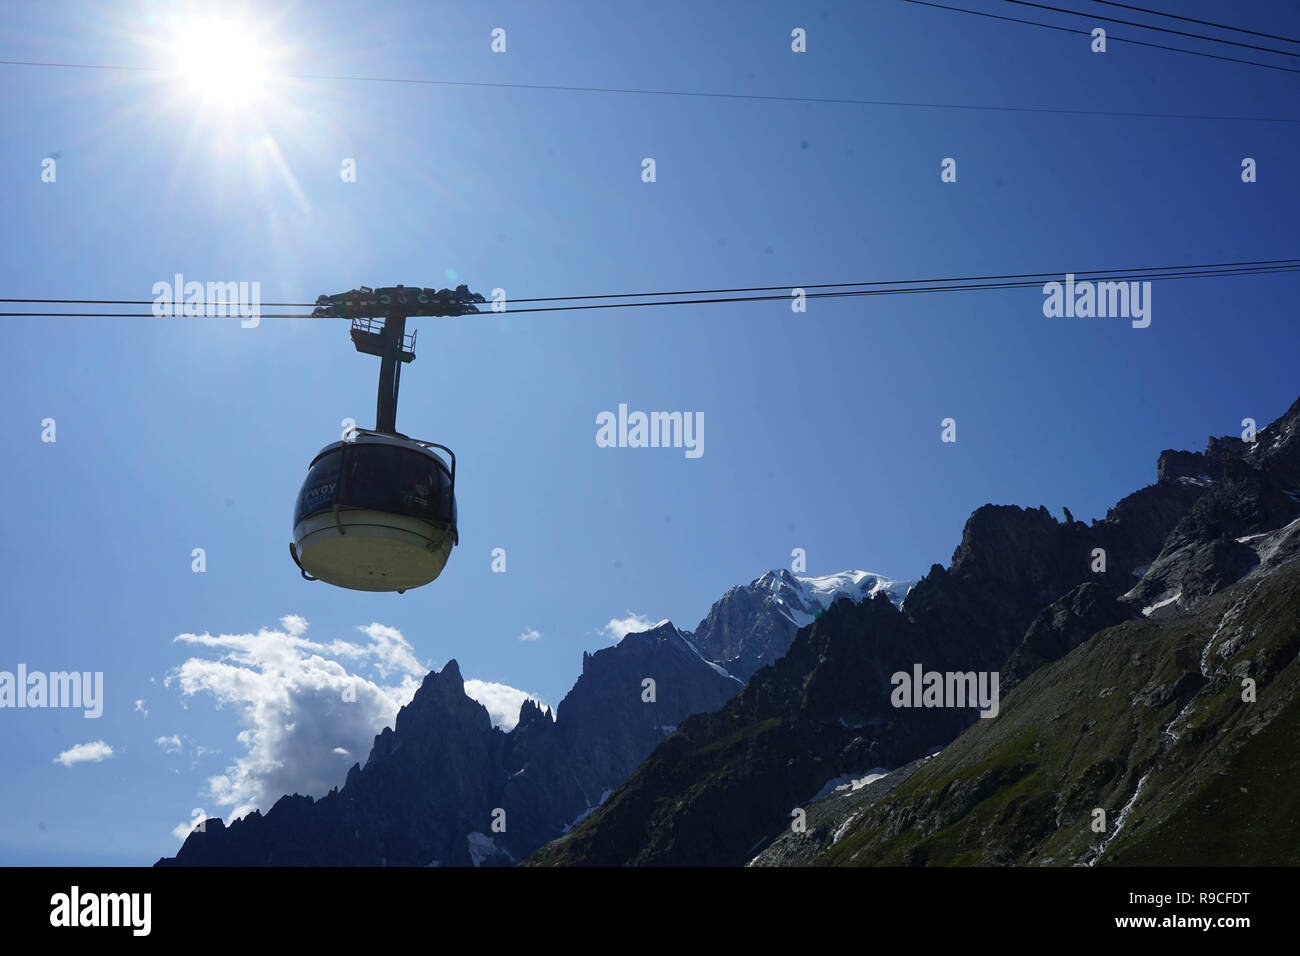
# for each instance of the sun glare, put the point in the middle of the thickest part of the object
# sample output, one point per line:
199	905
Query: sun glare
222	62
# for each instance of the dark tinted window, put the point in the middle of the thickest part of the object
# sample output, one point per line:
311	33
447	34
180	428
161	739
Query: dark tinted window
381	478
420	492
426	489
399	481
321	488
373	478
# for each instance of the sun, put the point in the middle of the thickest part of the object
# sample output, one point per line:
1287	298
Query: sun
223	62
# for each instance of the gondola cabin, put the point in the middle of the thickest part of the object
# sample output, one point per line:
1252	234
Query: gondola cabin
376	513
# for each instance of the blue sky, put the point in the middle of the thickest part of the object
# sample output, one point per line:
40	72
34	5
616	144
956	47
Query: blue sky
822	429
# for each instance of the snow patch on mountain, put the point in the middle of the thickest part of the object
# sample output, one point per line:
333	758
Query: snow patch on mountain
681	640
587	812
1150	609
696	651
1269	543
799	598
857	783
483	847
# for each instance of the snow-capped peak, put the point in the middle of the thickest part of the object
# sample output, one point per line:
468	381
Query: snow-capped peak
830	586
801	597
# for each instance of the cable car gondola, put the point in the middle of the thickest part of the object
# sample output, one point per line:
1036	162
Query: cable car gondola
377	511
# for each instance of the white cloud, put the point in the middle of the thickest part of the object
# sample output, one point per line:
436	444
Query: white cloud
290	693
139	707
501	700
92	752
387	650
619	628
342	752
176	744
182	830
530	634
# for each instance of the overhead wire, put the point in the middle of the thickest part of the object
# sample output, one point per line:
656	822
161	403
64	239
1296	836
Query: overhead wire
1086	33
847	101
772	288
1207	23
1147	26
891	287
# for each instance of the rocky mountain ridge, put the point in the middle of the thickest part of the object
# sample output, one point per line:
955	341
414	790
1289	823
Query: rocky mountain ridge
1024	593
443	785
